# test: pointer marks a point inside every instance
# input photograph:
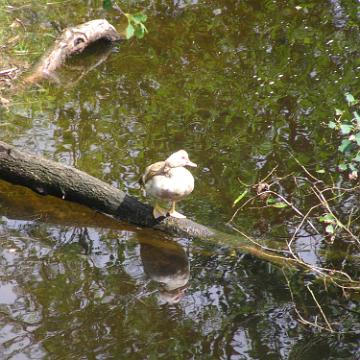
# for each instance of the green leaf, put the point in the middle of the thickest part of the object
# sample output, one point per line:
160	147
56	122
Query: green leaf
279	205
107	4
357	118
345	145
338	112
240	197
320	171
130	31
343	167
144	27
139	18
350	99
332	125
330	229
139	32
357	138
270	201
346	128
352	167
327	219
357	158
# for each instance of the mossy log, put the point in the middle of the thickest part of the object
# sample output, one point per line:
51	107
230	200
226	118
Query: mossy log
48	177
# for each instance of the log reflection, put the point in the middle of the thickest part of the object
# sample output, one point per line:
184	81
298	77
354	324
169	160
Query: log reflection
164	261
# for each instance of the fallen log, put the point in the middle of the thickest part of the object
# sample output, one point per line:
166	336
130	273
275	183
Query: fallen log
47	177
72	41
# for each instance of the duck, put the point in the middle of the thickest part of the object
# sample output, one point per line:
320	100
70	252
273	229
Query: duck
169	181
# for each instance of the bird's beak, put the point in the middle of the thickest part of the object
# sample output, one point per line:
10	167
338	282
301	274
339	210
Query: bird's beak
190	163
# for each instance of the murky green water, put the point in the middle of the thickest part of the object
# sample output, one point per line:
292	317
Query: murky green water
241	85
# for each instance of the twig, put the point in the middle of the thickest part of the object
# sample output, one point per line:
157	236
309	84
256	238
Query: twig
241	207
7	71
299	227
268	175
320	309
301	318
338	278
278	179
334	276
242	183
118	8
257	243
292	206
341	189
325	203
304	168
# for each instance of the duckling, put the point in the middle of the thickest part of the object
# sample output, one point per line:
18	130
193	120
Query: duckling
169	180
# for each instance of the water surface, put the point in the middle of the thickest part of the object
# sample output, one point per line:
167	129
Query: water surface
243	86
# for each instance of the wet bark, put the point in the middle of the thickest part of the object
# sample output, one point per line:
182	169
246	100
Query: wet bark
47	177
72	41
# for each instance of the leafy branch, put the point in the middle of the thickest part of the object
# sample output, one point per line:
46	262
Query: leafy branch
347	123
135	26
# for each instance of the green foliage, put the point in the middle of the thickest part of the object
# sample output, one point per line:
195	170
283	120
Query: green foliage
136	25
350	99
331	223
347	123
107	4
279	205
327	219
136	22
275	203
240	197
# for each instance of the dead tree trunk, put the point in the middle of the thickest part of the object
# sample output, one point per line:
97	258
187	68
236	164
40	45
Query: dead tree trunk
72	41
51	178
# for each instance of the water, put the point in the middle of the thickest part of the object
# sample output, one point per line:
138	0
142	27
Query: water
243	86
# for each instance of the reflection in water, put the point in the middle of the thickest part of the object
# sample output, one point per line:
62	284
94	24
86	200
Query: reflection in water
241	84
61	285
94	276
166	262
163	261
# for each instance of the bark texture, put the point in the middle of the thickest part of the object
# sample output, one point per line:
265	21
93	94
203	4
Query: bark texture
47	177
73	40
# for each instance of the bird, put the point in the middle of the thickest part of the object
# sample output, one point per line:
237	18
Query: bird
169	181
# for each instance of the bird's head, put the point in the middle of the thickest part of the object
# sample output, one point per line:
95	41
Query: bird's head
180	158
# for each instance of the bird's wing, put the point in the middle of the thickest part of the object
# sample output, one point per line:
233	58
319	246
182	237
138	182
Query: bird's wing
152	170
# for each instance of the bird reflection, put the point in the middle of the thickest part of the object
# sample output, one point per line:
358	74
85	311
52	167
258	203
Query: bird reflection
166	263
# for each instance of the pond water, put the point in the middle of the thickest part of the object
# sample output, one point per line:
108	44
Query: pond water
243	86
